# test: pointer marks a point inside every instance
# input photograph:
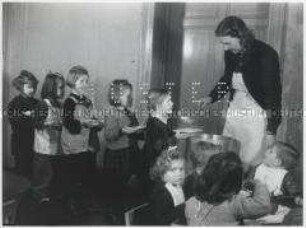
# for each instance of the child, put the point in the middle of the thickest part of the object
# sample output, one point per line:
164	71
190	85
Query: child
121	132
158	134
47	136
199	158
276	172
77	122
167	202
120	127
217	201
22	119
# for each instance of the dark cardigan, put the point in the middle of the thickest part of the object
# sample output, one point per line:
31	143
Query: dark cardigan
162	210
158	136
259	66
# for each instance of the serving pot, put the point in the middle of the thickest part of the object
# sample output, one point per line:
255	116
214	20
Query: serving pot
225	143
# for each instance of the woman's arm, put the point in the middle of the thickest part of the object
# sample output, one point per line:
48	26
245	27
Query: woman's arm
272	89
224	84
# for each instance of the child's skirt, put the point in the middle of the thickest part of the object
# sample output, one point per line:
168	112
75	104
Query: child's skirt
117	163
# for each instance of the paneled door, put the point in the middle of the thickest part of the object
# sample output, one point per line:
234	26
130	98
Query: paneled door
202	61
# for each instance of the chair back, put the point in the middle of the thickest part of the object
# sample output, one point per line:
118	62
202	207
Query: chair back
136	215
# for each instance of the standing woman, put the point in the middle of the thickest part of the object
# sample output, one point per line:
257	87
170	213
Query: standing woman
252	77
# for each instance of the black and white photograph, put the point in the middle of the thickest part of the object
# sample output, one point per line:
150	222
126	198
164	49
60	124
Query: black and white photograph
152	113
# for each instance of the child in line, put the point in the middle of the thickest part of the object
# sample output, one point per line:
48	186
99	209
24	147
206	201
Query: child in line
167	202
199	157
276	172
120	125
217	200
121	133
159	134
47	144
22	117
77	121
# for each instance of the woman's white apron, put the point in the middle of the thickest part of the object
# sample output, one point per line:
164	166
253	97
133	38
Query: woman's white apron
246	122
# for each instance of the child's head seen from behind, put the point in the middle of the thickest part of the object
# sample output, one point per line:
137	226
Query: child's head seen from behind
221	179
26	83
77	79
53	86
120	93
169	167
201	154
281	155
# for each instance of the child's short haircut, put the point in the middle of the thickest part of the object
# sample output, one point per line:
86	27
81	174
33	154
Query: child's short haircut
74	74
49	87
221	178
163	162
203	151
116	90
287	154
25	77
158	96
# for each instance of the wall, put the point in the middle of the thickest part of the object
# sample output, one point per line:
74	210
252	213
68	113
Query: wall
291	129
109	39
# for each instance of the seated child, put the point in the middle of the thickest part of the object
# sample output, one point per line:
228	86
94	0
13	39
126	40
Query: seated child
199	158
167	201
217	200
276	172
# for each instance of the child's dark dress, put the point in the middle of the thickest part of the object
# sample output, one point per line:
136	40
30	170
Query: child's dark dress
158	137
22	139
162	210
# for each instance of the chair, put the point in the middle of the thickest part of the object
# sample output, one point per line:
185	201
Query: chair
136	215
9	212
13	188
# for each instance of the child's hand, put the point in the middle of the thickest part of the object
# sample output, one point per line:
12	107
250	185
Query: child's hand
131	130
298	201
28	113
91	123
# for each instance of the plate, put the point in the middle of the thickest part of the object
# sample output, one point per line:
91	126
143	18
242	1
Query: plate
188	131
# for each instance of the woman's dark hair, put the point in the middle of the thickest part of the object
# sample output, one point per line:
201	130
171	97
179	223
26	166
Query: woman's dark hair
116	90
221	178
235	27
49	87
25	77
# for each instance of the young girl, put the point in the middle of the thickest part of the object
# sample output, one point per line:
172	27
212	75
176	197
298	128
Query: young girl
120	126
22	116
217	201
277	173
47	134
167	202
77	122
